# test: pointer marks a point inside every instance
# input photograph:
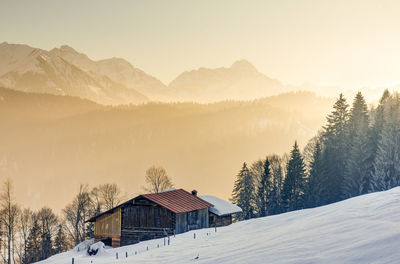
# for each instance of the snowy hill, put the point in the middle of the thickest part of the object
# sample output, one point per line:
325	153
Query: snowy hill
364	229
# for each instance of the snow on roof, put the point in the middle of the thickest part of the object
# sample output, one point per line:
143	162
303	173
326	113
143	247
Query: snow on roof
221	207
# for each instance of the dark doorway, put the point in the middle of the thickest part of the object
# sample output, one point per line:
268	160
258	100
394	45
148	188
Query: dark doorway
107	241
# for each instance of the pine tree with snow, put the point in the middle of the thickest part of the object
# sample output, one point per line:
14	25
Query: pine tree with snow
335	149
294	184
243	192
378	116
358	165
386	173
264	189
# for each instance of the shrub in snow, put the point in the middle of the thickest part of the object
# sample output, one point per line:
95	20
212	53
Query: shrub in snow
96	248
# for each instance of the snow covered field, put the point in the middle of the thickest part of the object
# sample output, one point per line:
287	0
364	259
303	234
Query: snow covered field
365	229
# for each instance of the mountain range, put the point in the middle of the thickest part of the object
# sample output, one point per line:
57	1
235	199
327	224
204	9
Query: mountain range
114	81
64	71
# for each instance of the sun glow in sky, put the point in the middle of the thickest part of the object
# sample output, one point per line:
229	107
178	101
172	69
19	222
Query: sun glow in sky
345	43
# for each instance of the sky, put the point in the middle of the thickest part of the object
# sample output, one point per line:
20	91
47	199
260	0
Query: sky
351	44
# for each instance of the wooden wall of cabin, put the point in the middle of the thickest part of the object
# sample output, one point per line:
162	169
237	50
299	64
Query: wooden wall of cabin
217	221
109	226
191	220
145	220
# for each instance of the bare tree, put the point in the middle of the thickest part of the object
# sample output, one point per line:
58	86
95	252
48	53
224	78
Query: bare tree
110	195
8	217
157	180
25	225
76	213
97	202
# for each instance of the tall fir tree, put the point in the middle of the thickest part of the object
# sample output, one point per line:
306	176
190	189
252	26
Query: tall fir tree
275	201
315	181
386	173
243	192
47	245
335	148
358	164
376	132
264	189
257	170
294	184
34	244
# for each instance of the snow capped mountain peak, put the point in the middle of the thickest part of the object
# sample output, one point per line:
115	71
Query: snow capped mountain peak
64	66
72	56
63	71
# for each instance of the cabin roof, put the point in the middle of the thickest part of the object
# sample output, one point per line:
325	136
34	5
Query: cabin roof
221	207
177	201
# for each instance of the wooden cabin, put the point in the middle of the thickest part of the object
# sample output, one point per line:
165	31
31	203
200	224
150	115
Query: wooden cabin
220	214
151	216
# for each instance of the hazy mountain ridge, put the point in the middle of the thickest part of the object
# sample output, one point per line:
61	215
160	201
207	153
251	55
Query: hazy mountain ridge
73	141
64	71
241	81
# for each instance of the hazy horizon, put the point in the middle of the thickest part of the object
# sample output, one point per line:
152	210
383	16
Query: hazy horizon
324	43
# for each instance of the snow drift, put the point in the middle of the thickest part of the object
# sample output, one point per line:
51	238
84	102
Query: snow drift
363	229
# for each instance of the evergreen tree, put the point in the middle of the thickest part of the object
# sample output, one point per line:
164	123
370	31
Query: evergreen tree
60	242
335	148
315	181
358	165
376	132
264	189
47	245
274	201
34	243
257	170
243	192
48	222
294	184
386	173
